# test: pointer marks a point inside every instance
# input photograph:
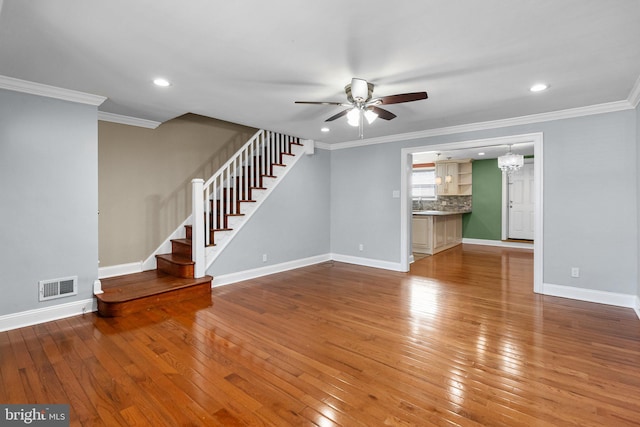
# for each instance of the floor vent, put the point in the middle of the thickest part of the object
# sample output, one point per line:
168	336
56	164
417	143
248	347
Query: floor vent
58	288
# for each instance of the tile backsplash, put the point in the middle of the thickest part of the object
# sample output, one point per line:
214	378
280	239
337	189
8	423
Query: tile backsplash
444	203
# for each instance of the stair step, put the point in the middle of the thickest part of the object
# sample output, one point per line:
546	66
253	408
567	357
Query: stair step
175	265
181	247
132	293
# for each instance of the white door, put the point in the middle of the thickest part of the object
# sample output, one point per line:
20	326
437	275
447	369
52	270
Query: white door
521	203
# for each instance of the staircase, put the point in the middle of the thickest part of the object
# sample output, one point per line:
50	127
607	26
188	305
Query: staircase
224	202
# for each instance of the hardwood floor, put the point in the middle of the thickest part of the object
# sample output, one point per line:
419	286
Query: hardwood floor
461	340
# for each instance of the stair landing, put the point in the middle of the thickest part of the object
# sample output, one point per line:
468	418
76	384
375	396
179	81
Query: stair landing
131	293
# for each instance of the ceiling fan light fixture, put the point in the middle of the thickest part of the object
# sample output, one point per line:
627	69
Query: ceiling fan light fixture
370	115
353	117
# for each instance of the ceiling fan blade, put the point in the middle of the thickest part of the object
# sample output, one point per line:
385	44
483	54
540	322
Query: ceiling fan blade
383	114
319	103
337	116
403	97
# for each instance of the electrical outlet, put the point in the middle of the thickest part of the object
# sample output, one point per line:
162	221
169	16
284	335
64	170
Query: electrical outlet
361	247
575	272
264	257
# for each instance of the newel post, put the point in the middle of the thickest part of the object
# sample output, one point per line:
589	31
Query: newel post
197	227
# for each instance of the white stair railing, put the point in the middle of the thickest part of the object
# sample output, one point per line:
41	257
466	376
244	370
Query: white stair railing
218	198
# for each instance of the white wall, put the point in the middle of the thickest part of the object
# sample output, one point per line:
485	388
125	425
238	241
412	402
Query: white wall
49	200
590	199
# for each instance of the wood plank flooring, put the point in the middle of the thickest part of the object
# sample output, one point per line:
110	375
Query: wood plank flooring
461	340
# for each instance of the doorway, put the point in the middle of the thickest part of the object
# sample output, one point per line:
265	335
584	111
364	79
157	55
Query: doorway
518	203
405	196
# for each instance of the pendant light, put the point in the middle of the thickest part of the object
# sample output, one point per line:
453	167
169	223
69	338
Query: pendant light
510	162
438	178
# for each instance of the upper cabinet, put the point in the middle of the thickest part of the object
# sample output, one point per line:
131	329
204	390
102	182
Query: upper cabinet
453	177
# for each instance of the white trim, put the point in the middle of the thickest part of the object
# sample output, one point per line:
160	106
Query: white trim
538	212
322	145
636	308
309	146
119	270
405	224
499	243
227	279
127	120
40	89
591	295
504	208
608	107
634	95
47	314
368	262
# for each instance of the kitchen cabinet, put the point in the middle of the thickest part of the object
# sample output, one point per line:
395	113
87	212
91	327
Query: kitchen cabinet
435	232
421	233
454	177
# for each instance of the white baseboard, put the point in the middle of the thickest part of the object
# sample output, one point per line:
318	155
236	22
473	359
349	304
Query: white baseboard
591	295
500	243
637	307
47	314
367	262
227	279
119	270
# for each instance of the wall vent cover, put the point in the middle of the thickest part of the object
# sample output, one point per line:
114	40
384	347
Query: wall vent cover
58	288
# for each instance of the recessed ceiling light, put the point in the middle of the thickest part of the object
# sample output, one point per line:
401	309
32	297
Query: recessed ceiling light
161	82
538	87
480	154
325	129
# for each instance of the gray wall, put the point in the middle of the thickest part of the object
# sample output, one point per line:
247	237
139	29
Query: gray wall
48	188
590	199
291	224
363	210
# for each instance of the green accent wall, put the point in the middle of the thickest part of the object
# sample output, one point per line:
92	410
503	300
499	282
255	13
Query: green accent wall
485	219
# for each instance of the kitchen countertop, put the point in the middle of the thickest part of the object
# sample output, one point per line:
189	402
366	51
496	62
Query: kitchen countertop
438	213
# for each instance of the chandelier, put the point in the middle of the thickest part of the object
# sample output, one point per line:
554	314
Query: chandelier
510	162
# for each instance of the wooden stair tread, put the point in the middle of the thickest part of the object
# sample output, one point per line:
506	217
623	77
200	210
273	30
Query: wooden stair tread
140	285
182	241
176	259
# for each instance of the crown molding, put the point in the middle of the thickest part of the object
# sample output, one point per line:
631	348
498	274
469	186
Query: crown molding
127	120
608	107
40	89
634	95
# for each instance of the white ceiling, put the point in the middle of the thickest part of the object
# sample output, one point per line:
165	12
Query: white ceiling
248	61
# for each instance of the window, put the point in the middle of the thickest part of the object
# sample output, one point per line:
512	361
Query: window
423	183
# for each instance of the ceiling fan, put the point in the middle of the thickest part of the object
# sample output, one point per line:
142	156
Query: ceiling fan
363	106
